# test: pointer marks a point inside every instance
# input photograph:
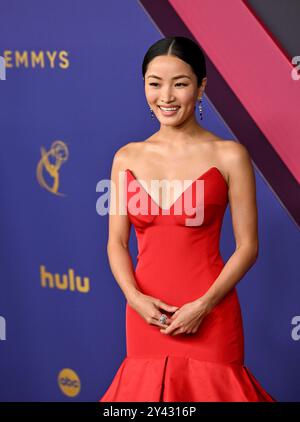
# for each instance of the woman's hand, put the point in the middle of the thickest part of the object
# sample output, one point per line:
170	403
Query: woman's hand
148	307
188	318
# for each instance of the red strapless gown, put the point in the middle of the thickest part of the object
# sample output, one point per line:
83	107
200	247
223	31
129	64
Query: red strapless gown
178	263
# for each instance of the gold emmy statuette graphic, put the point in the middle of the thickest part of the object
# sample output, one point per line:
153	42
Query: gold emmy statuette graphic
51	162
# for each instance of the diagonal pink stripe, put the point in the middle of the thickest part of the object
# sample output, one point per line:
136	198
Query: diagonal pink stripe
255	68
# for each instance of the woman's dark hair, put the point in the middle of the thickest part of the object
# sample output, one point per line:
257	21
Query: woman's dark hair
181	47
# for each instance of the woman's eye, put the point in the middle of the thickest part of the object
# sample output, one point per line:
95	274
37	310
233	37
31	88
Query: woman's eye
179	83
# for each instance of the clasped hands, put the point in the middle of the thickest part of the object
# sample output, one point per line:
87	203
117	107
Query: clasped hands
184	320
187	318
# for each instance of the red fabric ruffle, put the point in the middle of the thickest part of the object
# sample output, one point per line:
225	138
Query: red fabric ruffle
183	379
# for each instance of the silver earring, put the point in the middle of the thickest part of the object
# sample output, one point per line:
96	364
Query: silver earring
151	111
200	108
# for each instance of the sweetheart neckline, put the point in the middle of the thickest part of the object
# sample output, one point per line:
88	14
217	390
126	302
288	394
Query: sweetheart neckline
183	192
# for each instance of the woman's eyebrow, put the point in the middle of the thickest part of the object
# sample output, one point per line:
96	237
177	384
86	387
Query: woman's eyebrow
175	77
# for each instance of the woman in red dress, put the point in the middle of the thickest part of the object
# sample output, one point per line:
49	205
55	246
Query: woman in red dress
184	329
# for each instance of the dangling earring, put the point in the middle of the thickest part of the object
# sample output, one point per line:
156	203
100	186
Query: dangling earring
151	111
200	108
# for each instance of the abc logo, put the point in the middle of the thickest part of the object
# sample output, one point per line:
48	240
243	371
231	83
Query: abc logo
69	382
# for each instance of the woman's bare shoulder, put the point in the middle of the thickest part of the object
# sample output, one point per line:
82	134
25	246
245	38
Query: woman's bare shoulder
233	152
236	161
126	154
231	156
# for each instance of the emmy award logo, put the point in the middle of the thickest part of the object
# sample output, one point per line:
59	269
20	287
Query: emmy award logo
49	165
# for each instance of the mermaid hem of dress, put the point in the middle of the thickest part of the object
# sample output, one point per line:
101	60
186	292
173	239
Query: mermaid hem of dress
183	379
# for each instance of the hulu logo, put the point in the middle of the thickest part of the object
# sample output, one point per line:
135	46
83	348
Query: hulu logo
65	281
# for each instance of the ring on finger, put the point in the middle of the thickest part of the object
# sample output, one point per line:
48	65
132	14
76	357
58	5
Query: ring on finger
163	319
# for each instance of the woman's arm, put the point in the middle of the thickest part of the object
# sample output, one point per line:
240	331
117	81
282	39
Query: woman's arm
242	199
119	232
148	307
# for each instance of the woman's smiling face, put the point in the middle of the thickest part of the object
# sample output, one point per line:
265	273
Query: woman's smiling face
170	82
